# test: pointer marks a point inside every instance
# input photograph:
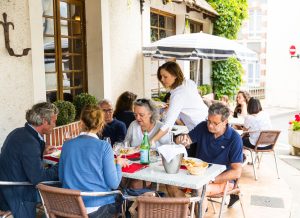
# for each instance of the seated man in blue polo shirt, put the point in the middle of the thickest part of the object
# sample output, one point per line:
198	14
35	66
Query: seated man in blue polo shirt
217	143
114	129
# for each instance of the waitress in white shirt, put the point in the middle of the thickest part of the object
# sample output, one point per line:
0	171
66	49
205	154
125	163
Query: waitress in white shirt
185	100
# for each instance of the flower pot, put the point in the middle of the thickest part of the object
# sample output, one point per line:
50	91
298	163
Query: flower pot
294	141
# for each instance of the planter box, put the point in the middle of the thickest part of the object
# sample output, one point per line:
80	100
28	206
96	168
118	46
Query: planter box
294	141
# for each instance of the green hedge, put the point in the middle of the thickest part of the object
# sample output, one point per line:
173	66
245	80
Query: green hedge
83	99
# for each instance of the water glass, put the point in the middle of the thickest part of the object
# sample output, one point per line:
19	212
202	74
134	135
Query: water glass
67	136
117	148
107	139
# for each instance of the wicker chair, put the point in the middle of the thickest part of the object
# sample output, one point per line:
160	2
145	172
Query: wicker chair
266	137
66	202
153	207
4	214
235	190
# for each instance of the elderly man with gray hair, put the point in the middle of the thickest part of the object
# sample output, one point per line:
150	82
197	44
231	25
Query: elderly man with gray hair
21	160
217	143
114	129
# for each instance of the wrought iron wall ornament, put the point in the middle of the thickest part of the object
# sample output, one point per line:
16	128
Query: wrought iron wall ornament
5	25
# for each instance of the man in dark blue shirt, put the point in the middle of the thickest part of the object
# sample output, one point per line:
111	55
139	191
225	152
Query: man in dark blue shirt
114	129
21	160
218	143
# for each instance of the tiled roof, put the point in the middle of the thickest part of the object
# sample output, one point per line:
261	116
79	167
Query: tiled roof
199	4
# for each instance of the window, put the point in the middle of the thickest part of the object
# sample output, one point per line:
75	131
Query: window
162	24
253	74
64	48
196	27
255	23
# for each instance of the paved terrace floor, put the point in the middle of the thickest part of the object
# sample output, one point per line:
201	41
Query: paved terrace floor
268	197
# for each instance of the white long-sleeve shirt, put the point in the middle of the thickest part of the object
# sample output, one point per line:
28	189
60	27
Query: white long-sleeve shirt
185	102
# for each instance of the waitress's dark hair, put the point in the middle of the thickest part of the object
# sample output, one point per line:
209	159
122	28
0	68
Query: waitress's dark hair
254	106
174	69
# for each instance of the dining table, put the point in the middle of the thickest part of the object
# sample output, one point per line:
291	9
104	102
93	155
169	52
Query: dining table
155	172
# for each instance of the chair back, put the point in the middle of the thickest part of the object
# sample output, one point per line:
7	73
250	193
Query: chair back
267	137
153	207
62	202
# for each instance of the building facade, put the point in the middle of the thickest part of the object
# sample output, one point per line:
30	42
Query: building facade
85	46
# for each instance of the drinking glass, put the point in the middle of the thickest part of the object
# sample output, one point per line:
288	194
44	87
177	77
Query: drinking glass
67	136
117	147
107	139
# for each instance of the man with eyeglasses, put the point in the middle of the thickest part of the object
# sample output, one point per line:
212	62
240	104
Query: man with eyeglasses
218	143
114	129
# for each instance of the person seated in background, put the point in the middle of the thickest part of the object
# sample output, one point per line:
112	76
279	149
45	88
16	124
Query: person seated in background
124	107
114	129
87	164
256	121
218	143
242	99
21	160
146	119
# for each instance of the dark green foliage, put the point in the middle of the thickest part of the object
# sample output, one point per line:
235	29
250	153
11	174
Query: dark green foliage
66	113
83	99
231	15
227	77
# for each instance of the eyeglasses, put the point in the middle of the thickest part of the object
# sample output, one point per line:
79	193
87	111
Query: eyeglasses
107	110
143	101
213	123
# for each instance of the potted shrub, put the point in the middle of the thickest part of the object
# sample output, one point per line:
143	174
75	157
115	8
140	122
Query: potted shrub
83	99
202	90
66	113
294	135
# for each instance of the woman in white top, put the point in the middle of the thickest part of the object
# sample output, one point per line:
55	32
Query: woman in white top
146	119
256	121
185	101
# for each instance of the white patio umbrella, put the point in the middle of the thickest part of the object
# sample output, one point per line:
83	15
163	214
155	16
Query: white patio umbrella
195	46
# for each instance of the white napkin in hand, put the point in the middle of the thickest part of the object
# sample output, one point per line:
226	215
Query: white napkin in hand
169	151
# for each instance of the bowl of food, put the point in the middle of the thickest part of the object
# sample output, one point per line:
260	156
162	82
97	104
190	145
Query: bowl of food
195	166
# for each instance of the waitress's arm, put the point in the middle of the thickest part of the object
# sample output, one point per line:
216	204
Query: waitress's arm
158	136
175	107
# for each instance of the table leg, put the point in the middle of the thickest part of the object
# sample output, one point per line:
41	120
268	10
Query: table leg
201	201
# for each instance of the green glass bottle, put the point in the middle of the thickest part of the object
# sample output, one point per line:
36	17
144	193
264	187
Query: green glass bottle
145	149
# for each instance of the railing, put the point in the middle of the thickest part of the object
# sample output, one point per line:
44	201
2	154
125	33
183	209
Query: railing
61	133
257	92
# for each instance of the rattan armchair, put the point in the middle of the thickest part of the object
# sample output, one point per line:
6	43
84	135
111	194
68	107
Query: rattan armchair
266	137
66	202
153	207
4	214
235	190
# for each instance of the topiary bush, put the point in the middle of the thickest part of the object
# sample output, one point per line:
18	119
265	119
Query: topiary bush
66	113
83	99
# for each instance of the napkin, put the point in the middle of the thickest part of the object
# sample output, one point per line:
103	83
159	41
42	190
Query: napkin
133	168
132	156
169	151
